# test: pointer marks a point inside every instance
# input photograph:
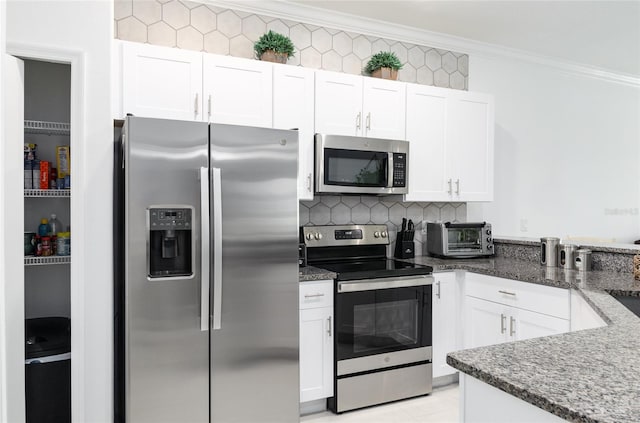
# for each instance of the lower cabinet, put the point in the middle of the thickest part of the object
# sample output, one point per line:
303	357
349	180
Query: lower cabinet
316	340
490	323
445	324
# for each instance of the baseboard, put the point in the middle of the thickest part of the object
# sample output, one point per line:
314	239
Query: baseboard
311	407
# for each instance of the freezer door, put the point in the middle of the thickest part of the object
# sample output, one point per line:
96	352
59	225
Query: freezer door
167	353
254	337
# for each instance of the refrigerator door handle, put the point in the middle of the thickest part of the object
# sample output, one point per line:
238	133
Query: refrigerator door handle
204	260
217	249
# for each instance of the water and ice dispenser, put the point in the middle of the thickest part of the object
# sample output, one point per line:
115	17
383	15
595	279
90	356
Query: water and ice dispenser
170	242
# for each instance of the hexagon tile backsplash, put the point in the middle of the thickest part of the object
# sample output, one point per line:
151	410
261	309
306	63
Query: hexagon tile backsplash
202	27
354	209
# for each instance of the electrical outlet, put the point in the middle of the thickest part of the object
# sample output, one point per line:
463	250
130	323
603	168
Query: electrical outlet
524	225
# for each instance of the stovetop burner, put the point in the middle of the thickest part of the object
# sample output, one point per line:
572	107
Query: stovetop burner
374	268
355	252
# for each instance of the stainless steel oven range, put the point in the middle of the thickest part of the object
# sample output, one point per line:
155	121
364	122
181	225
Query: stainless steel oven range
382	316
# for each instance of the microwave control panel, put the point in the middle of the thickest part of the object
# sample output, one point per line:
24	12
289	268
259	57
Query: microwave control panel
399	169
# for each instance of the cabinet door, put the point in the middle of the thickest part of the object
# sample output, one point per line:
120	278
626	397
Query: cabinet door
470	130
427	136
383	108
445	322
338	103
316	353
486	323
293	105
238	91
527	324
161	82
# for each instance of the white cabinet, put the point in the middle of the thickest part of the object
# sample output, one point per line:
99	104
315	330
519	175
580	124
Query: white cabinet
293	107
161	82
426	132
485	323
316	340
353	105
383	108
470	132
451	144
444	321
238	91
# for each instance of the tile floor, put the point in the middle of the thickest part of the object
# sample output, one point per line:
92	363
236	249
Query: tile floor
439	407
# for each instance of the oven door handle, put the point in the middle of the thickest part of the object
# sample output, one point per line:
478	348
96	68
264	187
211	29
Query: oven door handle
384	283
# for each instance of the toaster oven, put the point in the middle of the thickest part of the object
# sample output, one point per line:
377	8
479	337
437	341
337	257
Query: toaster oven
459	239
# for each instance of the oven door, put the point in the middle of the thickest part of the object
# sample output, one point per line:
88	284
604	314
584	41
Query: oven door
382	320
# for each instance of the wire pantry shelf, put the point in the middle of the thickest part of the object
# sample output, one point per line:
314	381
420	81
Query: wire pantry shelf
39	261
47	193
48	128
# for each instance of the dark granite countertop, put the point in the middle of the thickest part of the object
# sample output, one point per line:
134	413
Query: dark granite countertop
591	375
310	273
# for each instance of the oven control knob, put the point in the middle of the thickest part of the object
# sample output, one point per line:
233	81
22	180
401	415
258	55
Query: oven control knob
384	234
309	237
318	236
488	231
376	234
488	239
490	246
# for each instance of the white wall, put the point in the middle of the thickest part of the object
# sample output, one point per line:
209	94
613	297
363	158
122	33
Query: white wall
84	31
567	152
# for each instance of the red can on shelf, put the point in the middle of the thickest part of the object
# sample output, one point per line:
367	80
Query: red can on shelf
44	174
46	246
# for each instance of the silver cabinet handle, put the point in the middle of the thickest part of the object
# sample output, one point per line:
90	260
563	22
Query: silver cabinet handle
359	120
329	326
512	326
438	289
368	121
507	293
209	107
217	249
457	186
319	294
450	191
204	259
309	182
195	103
503	322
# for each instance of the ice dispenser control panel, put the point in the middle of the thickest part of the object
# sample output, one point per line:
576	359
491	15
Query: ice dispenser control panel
171	247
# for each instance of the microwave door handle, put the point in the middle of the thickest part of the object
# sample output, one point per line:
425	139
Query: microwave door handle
390	170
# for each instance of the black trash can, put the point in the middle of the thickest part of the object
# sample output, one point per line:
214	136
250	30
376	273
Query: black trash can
48	370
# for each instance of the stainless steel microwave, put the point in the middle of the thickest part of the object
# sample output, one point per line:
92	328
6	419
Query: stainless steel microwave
459	239
357	165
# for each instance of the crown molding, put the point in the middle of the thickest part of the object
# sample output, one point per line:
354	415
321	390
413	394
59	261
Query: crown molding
372	27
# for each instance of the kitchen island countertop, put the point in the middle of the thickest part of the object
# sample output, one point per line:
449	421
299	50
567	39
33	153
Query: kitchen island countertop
591	375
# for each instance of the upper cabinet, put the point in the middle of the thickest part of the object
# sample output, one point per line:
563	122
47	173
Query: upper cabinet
238	91
451	144
293	93
352	105
161	82
470	128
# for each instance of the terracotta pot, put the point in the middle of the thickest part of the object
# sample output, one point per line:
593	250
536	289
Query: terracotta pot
272	56
385	73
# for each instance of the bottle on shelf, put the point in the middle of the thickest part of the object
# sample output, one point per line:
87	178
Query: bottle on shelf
55	225
43	229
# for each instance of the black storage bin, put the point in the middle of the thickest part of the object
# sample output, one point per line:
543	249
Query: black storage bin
48	370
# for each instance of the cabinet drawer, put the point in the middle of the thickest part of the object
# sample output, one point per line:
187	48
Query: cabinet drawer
528	296
316	294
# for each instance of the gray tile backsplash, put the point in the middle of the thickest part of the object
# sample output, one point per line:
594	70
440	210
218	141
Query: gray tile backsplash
203	27
354	209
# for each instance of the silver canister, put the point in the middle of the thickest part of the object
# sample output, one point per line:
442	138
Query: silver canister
549	251
566	256
582	259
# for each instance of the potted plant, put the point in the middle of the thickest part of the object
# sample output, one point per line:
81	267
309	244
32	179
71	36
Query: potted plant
273	47
384	64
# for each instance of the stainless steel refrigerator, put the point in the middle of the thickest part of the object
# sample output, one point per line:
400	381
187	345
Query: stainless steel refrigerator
206	273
